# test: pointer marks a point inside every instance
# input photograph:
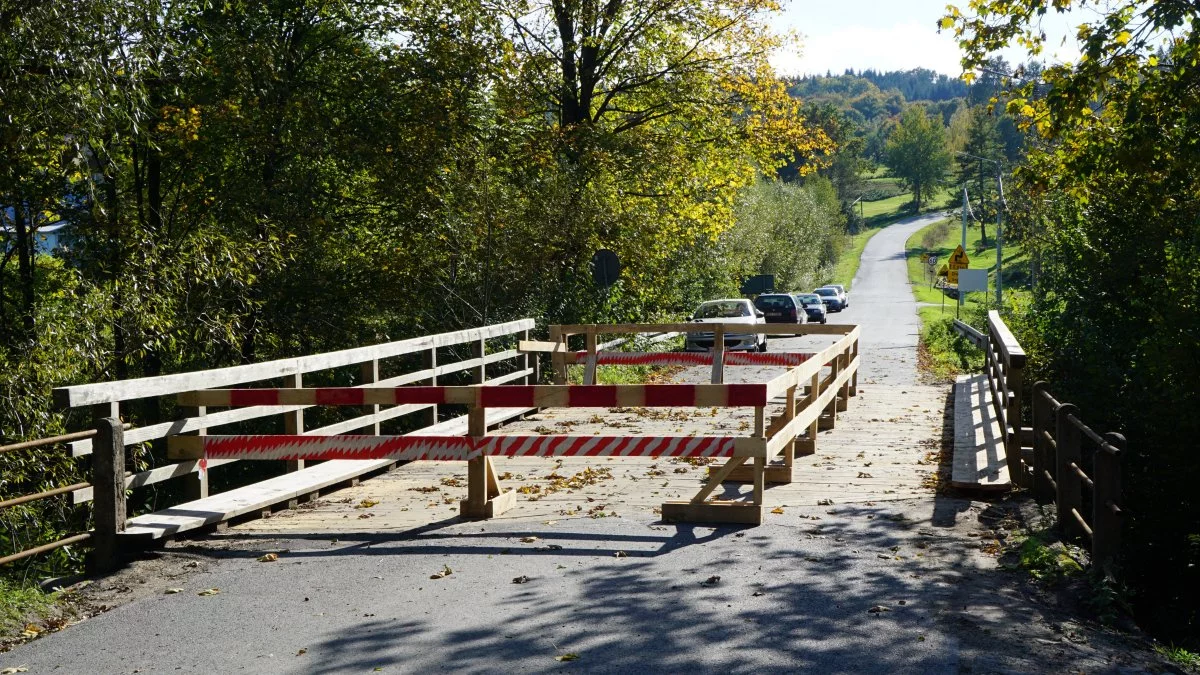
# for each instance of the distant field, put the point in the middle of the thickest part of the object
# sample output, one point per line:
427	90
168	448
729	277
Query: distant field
940	239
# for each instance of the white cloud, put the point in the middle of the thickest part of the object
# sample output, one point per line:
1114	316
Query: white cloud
900	46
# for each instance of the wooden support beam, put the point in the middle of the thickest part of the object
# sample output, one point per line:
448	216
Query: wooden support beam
195	485
293	422
742	513
108	483
715	478
369	374
718	366
589	370
772	473
430	358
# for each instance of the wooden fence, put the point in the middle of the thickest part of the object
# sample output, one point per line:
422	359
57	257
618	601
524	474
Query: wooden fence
1058	457
1062	447
437	355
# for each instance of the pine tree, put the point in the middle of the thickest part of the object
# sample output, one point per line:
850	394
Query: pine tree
983	140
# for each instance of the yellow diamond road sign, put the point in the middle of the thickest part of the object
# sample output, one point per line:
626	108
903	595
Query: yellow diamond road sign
959	259
944	271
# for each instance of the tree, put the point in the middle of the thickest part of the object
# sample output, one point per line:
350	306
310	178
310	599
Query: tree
974	169
1108	187
917	154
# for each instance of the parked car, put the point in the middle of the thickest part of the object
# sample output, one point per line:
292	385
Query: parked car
842	292
830	297
813	307
780	308
735	310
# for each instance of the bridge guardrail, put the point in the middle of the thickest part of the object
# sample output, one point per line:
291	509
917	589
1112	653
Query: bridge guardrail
1050	456
106	445
810	397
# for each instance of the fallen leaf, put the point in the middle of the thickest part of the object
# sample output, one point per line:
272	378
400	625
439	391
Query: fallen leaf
825	502
445	572
879	609
571	656
777	510
172	591
620	554
366	503
14	670
521	579
528	540
209	591
302	652
549	522
757	593
863	474
711	581
270	557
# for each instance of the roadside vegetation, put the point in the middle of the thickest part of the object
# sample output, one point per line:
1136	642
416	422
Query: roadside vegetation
1105	199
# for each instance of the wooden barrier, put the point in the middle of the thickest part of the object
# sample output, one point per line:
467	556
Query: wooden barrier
106	444
1088	503
771	437
1050	456
1004	364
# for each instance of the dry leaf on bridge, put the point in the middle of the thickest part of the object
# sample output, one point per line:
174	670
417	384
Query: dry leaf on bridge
445	572
209	591
270	557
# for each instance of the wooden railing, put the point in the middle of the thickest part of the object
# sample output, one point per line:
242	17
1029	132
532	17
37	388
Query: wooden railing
1004	363
1062	446
1050	456
106	442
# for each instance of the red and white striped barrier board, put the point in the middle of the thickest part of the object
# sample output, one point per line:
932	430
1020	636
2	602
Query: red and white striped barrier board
446	448
499	396
691	358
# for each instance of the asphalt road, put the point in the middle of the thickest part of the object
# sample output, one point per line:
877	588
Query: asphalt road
901	587
882	302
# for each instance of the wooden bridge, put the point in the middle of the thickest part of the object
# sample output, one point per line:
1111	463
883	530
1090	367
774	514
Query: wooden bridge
464	415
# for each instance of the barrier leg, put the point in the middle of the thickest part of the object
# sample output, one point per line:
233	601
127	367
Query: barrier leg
484	496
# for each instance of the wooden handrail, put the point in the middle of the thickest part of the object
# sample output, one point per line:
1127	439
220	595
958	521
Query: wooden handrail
148	387
1003	337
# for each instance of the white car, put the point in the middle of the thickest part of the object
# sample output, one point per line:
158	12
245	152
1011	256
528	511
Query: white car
841	293
735	310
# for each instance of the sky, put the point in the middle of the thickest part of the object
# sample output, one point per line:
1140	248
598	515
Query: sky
886	35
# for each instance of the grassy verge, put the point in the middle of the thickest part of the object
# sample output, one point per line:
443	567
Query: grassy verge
877	215
23	607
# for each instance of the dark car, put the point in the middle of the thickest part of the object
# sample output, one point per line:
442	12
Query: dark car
779	308
813	307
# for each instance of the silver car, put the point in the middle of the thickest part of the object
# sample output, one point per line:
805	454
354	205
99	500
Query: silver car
734	310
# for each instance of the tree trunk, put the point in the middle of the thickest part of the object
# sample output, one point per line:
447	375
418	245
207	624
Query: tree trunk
25	253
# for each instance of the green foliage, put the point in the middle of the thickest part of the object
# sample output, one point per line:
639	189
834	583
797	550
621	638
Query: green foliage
1180	656
918	155
1107	203
1045	562
20	602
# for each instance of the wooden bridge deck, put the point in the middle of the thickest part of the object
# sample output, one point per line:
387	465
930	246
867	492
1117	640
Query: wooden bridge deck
885	447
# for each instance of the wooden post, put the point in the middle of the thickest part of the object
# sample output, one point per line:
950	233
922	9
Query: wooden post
1106	516
430	363
1012	415
526	362
558	359
830	419
853	391
718	366
760	470
1041	449
195	485
293	422
484	496
789	413
479	373
809	447
1067	438
589	370
108	496
843	397
369	374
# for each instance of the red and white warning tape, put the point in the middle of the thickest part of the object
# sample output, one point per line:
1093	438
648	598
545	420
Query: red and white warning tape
457	448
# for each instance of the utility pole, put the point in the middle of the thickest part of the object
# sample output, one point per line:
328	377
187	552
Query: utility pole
964	217
999	237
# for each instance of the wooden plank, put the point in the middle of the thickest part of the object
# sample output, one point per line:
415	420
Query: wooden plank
774	474
162	473
743	513
762	328
1014	354
258	496
147	387
979	460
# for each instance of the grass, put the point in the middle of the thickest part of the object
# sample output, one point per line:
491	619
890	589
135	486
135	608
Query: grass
877	215
20	603
1180	657
943	354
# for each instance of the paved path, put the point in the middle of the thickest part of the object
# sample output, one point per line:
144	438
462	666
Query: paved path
862	586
